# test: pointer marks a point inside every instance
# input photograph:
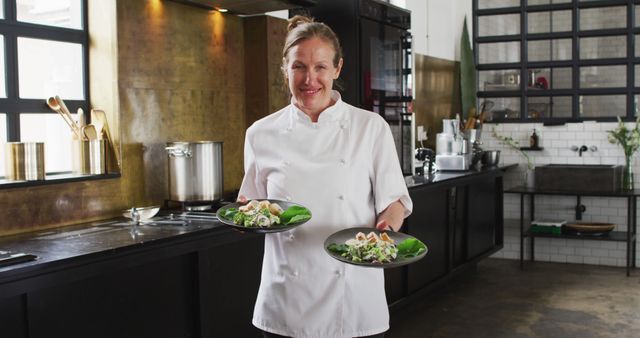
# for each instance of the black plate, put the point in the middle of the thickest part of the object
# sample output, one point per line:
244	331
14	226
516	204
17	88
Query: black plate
343	235
274	228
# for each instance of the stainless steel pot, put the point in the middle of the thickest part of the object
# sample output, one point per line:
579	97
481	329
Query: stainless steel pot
195	171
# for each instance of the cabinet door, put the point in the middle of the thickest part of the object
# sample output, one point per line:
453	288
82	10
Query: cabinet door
13	321
428	222
230	277
482	216
156	299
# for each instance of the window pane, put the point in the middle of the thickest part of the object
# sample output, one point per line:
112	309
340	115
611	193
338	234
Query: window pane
58	13
603	76
499	52
505	108
3	139
56	135
637	75
2	16
538	107
546	2
508	79
546	22
547	50
603	18
546	107
603	47
637	19
46	68
3	75
482	4
603	105
636	47
549	78
499	25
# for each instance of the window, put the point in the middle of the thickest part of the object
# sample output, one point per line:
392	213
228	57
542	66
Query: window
558	60
44	47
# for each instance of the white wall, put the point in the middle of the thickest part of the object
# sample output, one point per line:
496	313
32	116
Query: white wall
436	26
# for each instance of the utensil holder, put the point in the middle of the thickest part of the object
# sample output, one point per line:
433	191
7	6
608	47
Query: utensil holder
24	161
89	157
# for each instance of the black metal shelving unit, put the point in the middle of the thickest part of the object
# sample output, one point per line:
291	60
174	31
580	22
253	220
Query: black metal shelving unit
523	91
629	236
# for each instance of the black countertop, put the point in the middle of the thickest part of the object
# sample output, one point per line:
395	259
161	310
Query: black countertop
103	239
445	176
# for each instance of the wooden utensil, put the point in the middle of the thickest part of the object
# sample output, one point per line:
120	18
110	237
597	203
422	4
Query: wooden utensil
90	132
55	106
82	120
99	117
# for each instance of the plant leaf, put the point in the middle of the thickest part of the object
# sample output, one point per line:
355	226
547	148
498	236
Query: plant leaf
295	214
411	247
468	90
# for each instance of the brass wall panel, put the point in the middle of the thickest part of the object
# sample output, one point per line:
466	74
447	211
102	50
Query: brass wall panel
180	76
437	93
265	89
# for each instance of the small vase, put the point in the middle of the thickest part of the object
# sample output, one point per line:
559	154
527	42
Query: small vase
529	178
627	175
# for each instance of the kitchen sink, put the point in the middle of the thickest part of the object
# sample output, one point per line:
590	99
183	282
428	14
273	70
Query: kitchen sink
579	177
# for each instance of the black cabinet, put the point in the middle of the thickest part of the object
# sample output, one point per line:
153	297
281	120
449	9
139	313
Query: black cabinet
428	223
460	221
205	287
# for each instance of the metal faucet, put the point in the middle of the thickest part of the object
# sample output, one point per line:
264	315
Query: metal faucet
582	149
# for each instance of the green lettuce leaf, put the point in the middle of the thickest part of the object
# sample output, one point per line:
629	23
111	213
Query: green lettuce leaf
229	213
410	247
295	214
338	248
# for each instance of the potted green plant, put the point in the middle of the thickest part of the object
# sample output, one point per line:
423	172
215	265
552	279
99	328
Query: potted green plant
629	140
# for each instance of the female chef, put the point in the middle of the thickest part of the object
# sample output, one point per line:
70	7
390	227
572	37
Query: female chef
341	163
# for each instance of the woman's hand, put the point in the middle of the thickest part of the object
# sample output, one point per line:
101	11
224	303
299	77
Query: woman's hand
391	218
383	226
242	199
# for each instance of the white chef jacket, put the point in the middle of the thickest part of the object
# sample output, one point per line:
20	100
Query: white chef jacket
345	170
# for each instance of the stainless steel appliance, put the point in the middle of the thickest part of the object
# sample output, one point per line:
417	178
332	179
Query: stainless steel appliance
377	70
195	171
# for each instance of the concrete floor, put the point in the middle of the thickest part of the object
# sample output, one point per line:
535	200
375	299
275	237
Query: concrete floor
543	300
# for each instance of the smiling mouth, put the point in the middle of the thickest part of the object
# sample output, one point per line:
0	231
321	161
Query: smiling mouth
310	91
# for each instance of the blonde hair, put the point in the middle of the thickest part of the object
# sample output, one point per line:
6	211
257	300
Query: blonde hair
302	28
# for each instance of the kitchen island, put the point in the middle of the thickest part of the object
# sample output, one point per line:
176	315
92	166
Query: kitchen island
201	279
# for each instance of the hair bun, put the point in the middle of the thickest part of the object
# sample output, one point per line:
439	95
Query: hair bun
298	20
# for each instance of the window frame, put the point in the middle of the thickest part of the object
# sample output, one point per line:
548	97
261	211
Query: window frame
11	29
630	61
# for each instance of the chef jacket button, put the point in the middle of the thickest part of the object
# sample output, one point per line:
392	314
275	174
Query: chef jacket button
291	237
285	162
295	273
314	125
343	161
288	198
289	128
341	197
338	272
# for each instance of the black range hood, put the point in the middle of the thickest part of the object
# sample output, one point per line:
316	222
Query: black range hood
248	7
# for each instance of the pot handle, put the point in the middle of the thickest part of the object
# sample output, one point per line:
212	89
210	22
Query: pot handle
178	152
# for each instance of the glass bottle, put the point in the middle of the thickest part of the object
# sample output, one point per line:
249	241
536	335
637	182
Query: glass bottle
533	140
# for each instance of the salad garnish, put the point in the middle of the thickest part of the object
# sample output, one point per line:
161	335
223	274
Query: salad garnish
374	248
264	214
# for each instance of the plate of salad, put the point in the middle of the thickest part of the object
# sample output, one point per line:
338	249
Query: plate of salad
264	216
370	247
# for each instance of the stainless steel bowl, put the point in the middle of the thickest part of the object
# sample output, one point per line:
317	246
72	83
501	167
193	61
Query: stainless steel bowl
490	158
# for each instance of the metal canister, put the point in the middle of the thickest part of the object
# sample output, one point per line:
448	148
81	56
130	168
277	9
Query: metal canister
24	161
195	171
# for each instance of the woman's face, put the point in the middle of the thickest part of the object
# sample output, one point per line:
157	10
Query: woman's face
311	72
